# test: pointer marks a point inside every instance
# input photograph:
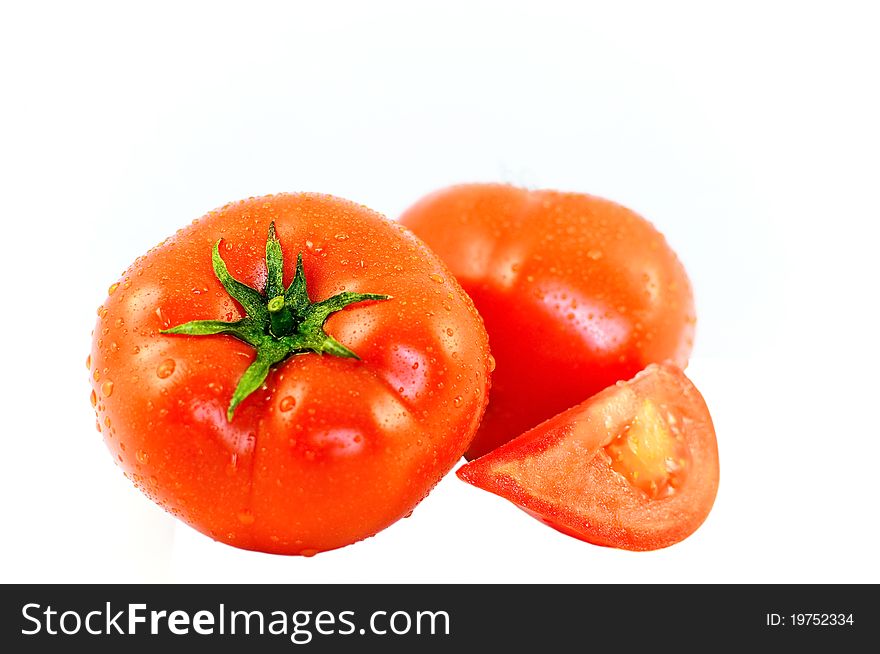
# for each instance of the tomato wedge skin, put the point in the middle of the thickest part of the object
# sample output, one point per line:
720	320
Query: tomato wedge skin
562	471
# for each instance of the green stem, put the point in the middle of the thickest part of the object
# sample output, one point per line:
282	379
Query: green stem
280	317
278	323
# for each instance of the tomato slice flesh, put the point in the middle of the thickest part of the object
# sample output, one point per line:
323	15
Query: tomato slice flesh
634	467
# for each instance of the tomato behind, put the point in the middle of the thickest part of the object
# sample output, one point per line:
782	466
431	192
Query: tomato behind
576	292
634	467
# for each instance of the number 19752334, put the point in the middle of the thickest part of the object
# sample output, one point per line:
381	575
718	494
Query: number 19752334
809	620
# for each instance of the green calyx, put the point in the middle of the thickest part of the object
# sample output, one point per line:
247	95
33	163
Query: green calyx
278	323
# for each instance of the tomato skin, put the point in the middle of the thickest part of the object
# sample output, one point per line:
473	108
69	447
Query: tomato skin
576	292
561	473
330	450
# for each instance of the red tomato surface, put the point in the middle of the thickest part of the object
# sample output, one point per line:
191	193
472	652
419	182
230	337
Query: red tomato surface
634	467
329	450
576	292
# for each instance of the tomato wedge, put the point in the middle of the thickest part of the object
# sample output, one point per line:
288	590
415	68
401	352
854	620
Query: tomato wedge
633	467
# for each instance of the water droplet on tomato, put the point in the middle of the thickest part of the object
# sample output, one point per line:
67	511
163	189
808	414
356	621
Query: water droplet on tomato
162	319
97	375
246	518
107	388
457	401
341	236
436	278
135	349
142	457
595	255
94	398
491	363
449	331
308	553
112	288
98	426
102	311
165	369
89	362
287	403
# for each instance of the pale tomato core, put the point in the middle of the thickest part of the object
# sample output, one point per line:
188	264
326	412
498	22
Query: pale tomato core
649	452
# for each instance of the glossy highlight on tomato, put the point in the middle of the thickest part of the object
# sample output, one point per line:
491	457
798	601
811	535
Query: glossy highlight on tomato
323	449
634	467
576	292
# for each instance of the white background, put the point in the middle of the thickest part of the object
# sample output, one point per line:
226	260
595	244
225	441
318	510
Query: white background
748	134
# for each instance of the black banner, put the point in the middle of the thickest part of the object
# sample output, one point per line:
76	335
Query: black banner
406	618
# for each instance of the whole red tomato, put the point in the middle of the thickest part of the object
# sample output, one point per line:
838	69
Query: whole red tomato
285	403
576	293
